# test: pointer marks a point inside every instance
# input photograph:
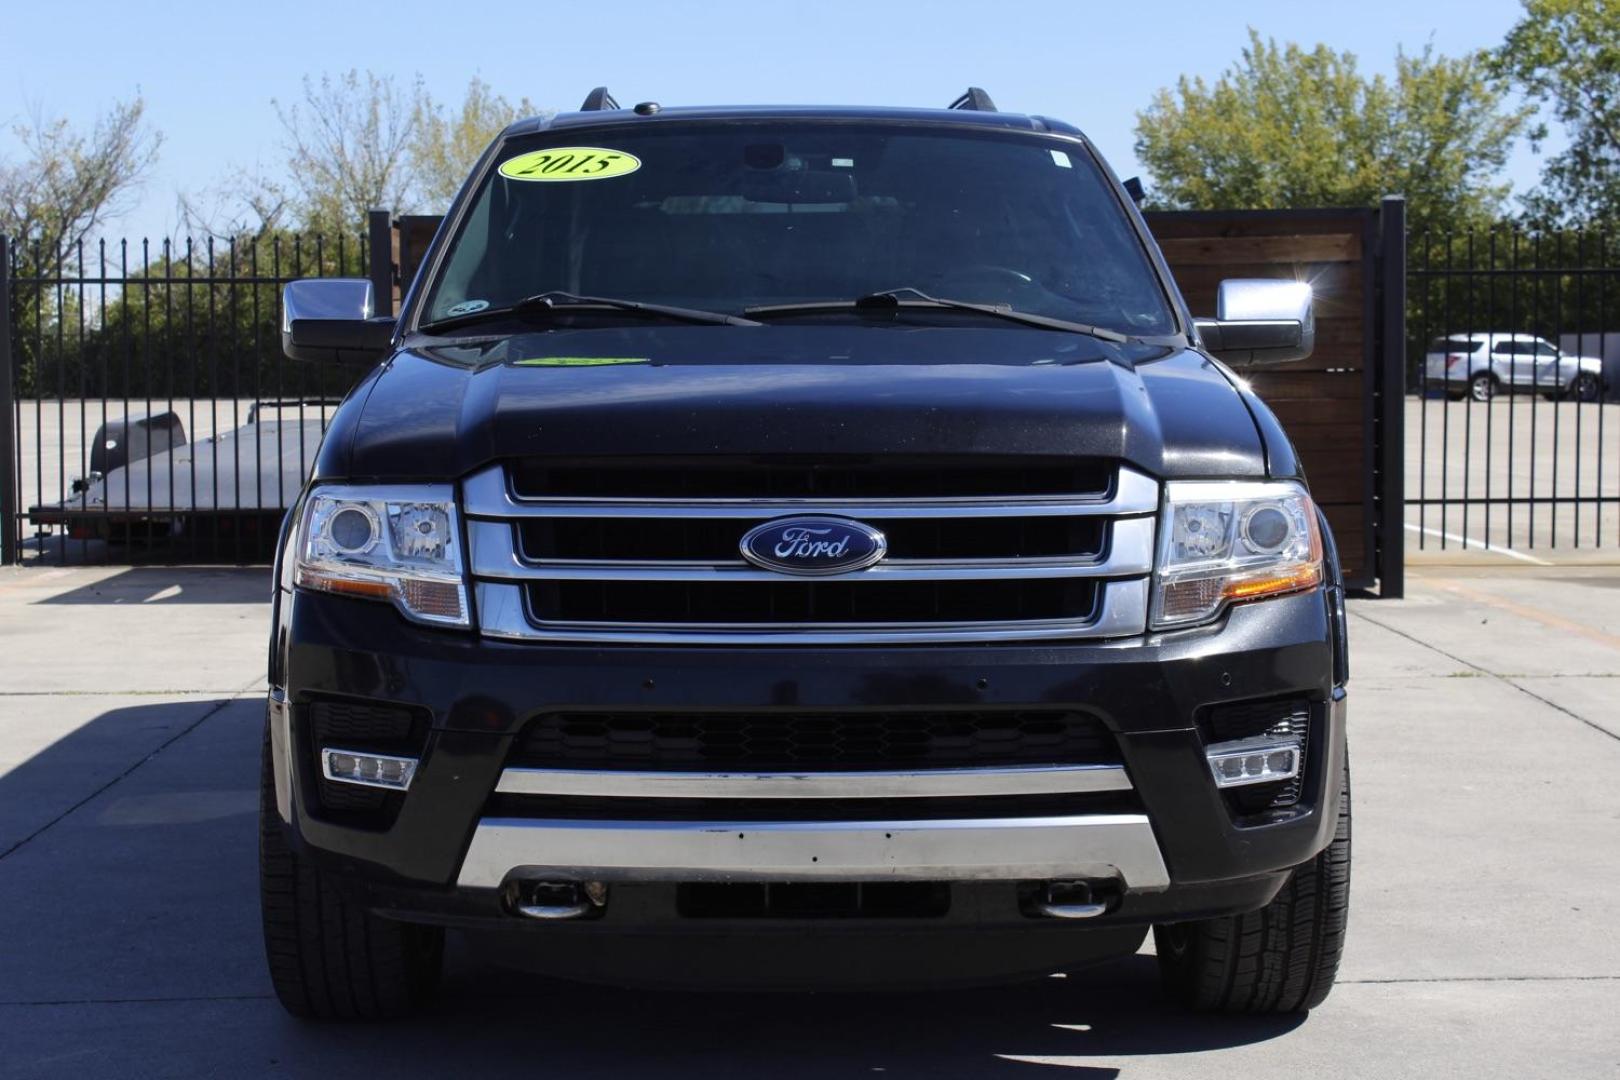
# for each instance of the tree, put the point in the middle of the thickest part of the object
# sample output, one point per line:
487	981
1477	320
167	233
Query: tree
68	184
1565	56
1286	127
444	149
72	182
348	145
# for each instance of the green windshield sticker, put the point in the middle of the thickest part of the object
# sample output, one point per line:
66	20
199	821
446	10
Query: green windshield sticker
580	361
570	163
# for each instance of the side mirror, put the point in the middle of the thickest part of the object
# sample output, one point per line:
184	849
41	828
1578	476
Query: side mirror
1260	321
330	320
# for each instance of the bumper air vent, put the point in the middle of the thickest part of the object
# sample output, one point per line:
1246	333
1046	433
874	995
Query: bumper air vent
813	742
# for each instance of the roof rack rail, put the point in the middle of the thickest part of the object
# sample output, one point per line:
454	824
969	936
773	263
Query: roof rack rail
598	100
975	100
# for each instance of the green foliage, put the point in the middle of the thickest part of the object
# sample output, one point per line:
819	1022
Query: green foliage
1565	56
1286	127
187	320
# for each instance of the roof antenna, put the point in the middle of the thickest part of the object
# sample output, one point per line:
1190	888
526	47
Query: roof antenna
598	100
975	100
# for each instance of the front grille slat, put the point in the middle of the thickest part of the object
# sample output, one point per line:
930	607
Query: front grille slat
649	551
832	603
689	478
714	540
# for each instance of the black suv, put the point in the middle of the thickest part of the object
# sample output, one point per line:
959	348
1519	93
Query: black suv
782	546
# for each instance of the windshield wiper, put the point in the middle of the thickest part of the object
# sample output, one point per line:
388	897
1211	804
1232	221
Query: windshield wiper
906	297
547	304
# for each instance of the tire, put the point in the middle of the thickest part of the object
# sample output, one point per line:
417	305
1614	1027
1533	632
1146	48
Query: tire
330	958
1586	387
1482	387
1280	959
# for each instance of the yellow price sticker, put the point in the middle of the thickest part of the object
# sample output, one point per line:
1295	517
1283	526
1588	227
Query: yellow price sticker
570	163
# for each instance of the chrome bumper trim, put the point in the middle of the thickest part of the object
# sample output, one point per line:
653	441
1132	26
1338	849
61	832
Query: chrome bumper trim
503	613
991	849
886	784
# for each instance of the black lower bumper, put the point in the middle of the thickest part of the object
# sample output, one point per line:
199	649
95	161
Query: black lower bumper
480	694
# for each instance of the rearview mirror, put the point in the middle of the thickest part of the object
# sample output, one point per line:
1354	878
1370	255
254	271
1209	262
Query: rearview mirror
1260	321
330	320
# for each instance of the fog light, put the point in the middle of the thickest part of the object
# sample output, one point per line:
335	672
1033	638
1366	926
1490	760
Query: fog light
367	770
1253	761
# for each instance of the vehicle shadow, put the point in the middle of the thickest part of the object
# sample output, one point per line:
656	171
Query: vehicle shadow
168	964
172	585
1104	1014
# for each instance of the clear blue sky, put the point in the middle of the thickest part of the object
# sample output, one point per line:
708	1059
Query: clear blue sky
209	70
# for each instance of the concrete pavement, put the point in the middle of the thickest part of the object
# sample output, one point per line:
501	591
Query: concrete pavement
1482	943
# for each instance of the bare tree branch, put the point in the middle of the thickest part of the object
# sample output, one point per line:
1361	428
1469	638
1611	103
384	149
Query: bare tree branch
70	183
348	143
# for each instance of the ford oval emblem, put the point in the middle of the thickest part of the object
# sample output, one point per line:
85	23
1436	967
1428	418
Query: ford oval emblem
813	545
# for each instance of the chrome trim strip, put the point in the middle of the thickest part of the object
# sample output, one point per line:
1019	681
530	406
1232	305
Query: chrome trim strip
486	494
991	849
492	552
502	613
873	784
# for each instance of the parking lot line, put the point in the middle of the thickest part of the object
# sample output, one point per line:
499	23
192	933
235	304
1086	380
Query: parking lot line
1467	541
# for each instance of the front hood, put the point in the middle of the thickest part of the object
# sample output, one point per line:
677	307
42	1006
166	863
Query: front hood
445	410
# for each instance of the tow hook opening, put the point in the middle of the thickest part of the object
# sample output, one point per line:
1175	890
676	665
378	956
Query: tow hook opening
1069	899
554	900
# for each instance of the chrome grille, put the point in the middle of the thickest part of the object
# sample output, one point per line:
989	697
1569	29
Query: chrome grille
648	552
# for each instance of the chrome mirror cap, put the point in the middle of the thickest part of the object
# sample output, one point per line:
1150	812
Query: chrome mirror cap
1260	321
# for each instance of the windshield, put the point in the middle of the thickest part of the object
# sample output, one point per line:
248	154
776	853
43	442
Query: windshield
724	217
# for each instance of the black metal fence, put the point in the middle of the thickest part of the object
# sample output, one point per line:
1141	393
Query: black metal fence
145	405
1514	366
148	413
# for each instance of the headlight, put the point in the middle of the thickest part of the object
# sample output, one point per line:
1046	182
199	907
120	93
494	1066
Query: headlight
1228	541
397	543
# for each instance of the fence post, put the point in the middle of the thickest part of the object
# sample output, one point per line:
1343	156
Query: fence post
1391	539
9	480
380	240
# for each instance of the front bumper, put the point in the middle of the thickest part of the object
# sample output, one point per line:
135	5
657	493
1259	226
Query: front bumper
1181	853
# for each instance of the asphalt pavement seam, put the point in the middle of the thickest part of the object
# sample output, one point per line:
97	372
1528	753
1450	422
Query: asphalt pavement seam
170	741
1505	680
